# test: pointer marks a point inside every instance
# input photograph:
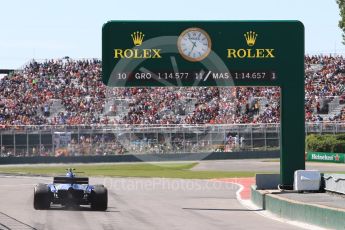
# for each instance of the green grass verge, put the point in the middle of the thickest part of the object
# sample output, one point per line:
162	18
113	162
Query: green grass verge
163	170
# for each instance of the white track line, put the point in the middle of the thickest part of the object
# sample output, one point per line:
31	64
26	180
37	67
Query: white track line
251	206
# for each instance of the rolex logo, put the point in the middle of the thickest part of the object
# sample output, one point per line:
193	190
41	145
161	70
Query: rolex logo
137	52
138	38
250	38
251	52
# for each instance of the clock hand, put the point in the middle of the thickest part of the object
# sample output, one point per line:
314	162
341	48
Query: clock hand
193	46
190	39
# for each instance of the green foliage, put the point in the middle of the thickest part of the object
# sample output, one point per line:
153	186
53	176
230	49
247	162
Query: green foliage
326	143
341	4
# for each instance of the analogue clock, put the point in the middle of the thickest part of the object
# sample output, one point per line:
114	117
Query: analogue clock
194	44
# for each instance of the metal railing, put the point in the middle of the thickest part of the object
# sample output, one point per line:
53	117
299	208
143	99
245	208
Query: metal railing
140	139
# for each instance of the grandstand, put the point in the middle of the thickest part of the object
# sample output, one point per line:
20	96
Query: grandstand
70	92
68	95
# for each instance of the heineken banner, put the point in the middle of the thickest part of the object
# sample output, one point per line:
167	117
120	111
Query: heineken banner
326	157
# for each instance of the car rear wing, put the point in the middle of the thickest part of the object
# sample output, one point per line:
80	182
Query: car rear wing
71	180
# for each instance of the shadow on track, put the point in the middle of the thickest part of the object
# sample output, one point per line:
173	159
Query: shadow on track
78	208
223	209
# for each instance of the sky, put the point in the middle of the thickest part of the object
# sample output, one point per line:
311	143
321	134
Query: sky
42	29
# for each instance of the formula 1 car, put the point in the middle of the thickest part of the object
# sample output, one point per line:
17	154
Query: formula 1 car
70	191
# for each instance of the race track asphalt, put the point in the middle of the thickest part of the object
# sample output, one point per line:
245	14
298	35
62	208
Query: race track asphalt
135	203
261	165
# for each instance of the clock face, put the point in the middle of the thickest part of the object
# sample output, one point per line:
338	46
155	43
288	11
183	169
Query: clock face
194	44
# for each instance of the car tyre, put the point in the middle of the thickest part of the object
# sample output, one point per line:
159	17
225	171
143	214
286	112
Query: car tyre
99	198
41	197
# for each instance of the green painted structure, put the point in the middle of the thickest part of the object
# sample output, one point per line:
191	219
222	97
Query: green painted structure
226	53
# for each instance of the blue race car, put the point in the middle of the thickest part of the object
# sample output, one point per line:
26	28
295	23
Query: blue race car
71	191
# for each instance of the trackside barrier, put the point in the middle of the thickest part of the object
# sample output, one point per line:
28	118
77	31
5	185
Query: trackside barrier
323	216
142	158
334	183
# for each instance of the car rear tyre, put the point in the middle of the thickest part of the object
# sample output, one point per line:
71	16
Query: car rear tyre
41	197
99	198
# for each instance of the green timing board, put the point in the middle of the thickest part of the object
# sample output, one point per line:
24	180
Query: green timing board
215	53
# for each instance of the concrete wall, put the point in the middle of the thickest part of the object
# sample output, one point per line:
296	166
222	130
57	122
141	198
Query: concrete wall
140	158
258	197
313	214
322	216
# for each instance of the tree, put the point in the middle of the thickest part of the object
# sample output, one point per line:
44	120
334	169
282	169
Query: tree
341	4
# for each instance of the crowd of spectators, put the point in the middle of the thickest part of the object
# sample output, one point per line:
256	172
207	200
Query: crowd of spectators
324	81
28	97
208	105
